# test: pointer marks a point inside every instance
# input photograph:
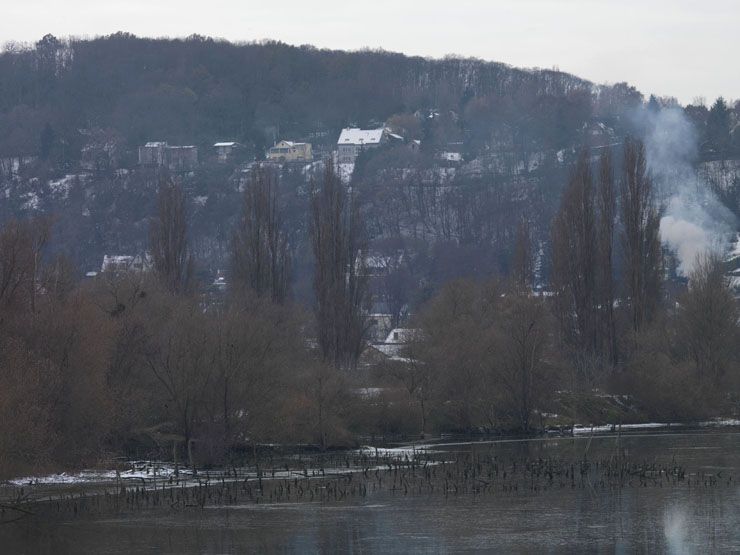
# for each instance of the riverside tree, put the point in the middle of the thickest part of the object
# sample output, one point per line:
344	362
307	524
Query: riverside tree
260	257
340	283
168	239
643	259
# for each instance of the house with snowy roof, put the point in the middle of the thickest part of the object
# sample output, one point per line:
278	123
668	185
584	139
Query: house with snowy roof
395	347
289	151
124	264
225	150
176	158
352	141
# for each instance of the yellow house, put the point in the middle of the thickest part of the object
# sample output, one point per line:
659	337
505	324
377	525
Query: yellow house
289	151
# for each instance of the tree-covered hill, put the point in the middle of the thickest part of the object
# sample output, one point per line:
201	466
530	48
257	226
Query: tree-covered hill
199	90
74	111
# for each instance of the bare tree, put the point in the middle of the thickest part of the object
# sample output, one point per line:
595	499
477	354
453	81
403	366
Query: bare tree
340	282
523	262
327	401
415	375
574	244
708	320
257	346
641	239
260	258
21	246
521	369
168	239
181	360
605	265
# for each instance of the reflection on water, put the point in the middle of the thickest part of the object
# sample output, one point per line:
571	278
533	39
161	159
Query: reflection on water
681	519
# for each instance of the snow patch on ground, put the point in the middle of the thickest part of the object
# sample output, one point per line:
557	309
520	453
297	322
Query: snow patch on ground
137	470
32	202
344	171
577	430
62	186
408	451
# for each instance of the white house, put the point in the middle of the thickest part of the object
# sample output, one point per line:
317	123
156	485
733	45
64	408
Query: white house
450	158
290	151
176	158
398	339
352	141
120	264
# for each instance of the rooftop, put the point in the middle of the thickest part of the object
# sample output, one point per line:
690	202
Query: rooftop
290	143
355	136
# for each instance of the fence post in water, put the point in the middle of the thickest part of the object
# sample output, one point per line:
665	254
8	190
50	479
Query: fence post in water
174	456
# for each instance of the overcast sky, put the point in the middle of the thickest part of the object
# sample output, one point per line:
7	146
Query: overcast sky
682	48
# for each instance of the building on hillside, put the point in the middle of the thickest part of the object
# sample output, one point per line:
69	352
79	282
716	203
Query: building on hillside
397	342
176	158
152	154
450	158
378	264
352	141
124	264
598	135
395	349
225	150
379	324
182	158
288	151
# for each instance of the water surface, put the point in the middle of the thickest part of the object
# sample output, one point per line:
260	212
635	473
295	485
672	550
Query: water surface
673	519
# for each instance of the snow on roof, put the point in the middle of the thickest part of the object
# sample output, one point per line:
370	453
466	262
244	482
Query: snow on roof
232	143
450	156
355	136
288	143
125	262
399	336
155	144
389	350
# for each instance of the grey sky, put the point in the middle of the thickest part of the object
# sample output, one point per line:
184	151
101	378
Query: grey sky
682	48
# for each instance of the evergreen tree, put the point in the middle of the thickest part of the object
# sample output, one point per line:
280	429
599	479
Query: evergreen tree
718	125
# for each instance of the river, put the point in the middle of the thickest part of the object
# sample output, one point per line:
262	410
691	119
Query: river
690	517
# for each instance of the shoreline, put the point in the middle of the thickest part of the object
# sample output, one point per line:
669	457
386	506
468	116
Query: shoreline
154	472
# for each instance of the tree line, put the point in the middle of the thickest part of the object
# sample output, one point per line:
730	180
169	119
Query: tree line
491	353
137	362
143	359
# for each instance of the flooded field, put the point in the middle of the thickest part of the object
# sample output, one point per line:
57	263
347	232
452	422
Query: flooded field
644	492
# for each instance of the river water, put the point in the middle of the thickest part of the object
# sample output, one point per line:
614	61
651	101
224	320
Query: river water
673	519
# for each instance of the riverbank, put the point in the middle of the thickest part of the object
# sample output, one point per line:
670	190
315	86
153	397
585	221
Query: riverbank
630	491
282	464
112	472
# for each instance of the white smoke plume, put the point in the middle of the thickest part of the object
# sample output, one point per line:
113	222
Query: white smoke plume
694	221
